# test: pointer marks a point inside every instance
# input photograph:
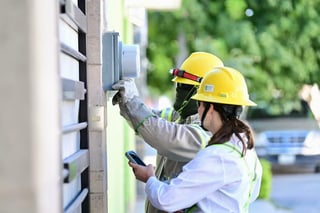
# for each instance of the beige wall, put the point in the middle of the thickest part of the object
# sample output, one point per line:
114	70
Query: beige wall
96	109
29	91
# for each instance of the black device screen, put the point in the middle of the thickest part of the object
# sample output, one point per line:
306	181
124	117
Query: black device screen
132	156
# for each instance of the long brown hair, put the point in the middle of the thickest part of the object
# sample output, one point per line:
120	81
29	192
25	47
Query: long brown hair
231	124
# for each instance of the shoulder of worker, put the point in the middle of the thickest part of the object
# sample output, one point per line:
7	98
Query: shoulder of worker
193	119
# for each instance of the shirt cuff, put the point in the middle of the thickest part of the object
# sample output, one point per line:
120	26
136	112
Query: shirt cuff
151	180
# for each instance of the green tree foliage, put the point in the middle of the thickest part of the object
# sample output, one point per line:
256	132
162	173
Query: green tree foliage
275	44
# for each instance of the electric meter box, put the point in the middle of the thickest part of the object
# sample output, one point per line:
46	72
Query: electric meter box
119	61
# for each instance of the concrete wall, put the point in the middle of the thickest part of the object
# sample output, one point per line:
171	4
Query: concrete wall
30	124
30	155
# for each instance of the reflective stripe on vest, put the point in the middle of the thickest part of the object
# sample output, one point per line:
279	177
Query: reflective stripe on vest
252	175
167	113
204	137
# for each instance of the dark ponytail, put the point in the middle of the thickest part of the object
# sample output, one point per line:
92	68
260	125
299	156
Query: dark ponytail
231	124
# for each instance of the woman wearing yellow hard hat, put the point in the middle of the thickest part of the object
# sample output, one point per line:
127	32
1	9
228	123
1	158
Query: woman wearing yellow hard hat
226	175
227	88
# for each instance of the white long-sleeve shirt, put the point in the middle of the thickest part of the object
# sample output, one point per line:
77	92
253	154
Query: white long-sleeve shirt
218	179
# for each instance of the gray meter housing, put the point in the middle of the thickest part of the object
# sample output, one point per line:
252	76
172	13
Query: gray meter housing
119	61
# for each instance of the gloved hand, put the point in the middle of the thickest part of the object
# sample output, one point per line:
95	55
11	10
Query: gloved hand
127	91
124	112
131	106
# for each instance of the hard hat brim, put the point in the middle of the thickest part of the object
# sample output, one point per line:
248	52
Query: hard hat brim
212	99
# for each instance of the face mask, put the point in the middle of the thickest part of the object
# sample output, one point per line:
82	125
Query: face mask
183	104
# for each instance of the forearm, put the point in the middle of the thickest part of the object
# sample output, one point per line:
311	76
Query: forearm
135	112
175	141
152	189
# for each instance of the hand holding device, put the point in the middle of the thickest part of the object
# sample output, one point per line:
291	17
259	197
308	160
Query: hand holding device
133	157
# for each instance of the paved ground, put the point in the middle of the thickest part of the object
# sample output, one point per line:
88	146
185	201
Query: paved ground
259	206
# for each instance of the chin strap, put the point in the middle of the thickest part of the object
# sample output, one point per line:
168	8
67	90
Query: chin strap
204	114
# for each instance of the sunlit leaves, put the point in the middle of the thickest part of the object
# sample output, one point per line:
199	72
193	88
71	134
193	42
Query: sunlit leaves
277	47
236	8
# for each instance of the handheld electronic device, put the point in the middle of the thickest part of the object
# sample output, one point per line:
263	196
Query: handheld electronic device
133	157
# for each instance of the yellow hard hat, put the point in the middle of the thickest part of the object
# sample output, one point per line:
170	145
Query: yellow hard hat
195	67
224	85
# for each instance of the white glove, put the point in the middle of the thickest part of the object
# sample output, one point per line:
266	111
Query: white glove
131	106
127	91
